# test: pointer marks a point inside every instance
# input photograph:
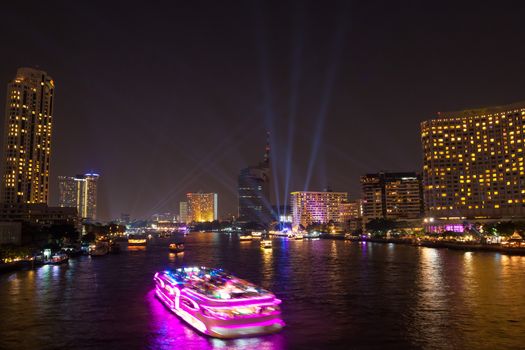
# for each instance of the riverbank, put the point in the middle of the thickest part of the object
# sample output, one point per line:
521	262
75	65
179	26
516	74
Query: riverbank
473	247
465	246
18	265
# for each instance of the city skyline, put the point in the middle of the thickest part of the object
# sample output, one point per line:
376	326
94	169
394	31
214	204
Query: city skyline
346	82
294	174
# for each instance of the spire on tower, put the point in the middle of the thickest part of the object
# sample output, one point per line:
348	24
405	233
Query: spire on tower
267	149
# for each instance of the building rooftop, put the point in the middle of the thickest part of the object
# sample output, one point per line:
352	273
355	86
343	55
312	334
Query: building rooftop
482	111
331	192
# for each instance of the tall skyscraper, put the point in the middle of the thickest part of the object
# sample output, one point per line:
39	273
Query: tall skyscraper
473	163
316	207
27	137
183	212
202	207
79	192
392	196
254	191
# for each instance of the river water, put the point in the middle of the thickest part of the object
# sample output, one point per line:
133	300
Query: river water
336	295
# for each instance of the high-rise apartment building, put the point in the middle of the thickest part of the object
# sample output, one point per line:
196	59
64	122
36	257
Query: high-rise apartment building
254	191
79	192
202	207
316	207
27	137
392	196
473	163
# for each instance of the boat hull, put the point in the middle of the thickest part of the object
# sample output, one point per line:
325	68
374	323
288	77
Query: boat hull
58	262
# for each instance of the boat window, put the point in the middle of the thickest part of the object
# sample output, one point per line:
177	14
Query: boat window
188	303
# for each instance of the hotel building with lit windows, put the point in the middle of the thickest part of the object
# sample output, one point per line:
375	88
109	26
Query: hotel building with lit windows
79	192
473	163
316	207
392	196
27	138
202	207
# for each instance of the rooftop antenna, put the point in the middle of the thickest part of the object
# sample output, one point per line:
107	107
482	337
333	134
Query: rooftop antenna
267	149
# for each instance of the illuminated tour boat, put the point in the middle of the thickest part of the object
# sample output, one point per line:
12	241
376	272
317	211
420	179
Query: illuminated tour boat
218	304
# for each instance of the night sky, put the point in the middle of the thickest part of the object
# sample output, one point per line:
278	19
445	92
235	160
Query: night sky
168	98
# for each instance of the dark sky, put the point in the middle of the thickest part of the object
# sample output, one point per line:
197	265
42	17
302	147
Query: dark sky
167	98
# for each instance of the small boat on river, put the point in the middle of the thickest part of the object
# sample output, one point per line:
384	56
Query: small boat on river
245	237
99	249
176	247
58	258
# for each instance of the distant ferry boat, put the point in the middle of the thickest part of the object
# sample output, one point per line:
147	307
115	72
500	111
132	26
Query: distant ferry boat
217	303
245	237
137	240
257	233
266	244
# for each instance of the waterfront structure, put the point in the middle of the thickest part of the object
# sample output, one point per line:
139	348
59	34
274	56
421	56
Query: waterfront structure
39	214
79	192
183	212
165	226
202	207
473	163
164	217
11	233
392	196
27	137
125	219
254	191
282	213
316	207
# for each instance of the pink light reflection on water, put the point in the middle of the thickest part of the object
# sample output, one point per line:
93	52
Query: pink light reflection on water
170	332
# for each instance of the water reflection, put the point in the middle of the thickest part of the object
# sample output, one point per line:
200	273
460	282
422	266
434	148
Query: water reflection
430	316
136	248
267	267
335	295
176	257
